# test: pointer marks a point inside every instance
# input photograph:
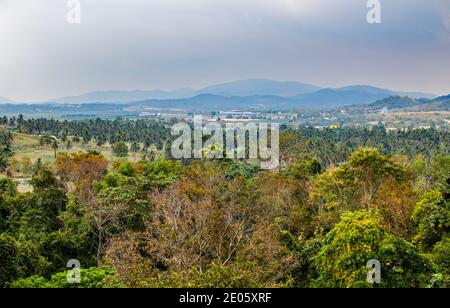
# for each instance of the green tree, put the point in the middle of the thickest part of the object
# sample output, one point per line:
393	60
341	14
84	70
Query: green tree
355	185
120	149
134	147
358	238
55	146
126	168
46	140
76	139
441	256
8	259
432	219
5	150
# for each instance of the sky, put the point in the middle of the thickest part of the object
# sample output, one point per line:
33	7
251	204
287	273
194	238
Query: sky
170	44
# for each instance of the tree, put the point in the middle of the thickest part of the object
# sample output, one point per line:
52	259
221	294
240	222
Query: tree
76	139
203	223
78	167
120	149
81	170
431	172
134	147
441	257
440	171
5	150
46	140
371	169
396	202
359	184
432	220
126	169
55	146
25	165
108	213
358	238
8	259
37	165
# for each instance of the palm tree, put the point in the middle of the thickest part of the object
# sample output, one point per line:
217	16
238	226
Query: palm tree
55	146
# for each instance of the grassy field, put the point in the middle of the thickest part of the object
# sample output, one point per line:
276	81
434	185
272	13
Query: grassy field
27	146
27	151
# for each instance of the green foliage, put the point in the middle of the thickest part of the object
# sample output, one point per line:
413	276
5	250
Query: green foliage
440	171
46	140
242	170
358	184
359	238
432	219
111	180
76	237
334	146
91	278
215	276
103	131
219	277
120	149
441	256
225	223
161	173
8	259
134	147
8	187
31	220
370	162
304	168
126	168
5	150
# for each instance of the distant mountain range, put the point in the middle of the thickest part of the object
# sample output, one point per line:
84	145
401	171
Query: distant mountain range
445	98
295	91
252	94
353	95
240	88
317	99
207	103
124	96
253	87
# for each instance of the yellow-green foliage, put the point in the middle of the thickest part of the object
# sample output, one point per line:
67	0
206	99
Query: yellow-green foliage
432	219
358	238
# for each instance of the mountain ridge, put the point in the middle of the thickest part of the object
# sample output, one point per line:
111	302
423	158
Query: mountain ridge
405	103
293	90
243	88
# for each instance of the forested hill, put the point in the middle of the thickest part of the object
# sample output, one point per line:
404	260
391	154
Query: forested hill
407	104
397	102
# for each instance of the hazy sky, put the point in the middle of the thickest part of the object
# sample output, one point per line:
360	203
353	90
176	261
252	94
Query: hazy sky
168	44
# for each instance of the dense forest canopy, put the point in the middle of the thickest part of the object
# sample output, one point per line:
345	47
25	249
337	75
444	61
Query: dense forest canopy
340	198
